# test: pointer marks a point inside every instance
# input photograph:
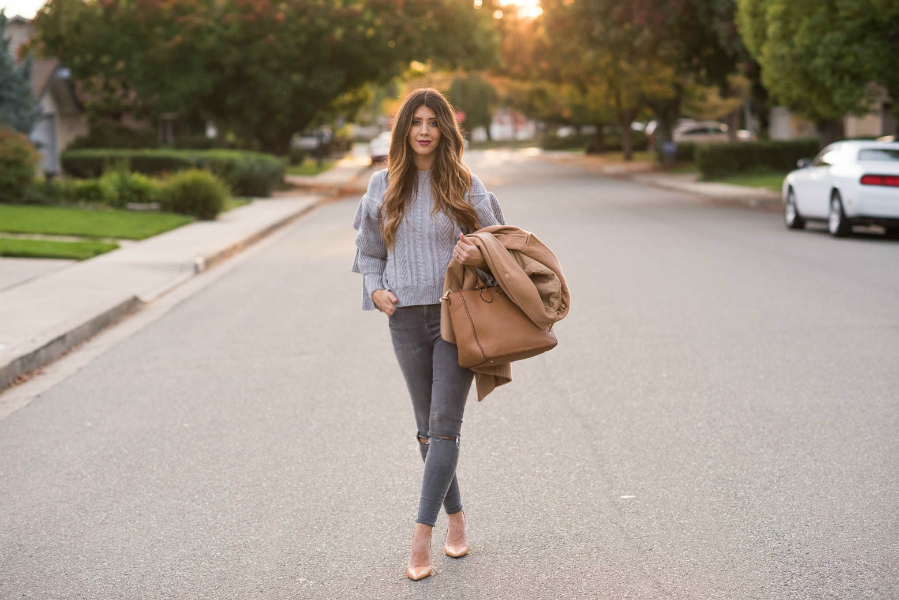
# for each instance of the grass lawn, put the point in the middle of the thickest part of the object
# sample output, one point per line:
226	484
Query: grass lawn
233	202
771	180
53	249
122	224
310	167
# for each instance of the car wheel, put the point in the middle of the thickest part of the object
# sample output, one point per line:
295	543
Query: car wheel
837	223
792	218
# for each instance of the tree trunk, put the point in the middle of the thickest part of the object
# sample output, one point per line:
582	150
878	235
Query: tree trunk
627	141
627	135
599	140
733	125
666	112
830	130
277	143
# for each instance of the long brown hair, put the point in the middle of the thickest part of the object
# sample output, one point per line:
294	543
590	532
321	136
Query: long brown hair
450	178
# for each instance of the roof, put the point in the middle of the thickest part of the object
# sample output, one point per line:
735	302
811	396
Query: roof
42	71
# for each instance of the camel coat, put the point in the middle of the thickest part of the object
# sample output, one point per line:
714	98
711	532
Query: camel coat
528	273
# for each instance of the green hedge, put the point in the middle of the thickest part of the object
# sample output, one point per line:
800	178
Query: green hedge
686	152
721	160
247	173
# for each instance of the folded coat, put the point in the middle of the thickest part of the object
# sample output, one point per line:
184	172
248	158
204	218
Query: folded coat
528	273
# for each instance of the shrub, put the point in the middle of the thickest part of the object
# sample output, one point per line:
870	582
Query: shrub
131	187
297	156
90	191
686	152
552	141
18	162
194	192
721	160
639	141
44	191
109	134
247	173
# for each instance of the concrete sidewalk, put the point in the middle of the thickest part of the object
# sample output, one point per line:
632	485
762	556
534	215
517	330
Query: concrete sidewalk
341	179
689	182
45	315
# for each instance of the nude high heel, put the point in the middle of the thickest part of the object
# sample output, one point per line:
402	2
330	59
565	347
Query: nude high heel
417	573
457	551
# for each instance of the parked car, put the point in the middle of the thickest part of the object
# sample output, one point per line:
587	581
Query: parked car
310	140
848	183
379	147
701	132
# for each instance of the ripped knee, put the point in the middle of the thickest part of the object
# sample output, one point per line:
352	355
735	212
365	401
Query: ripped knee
445	437
422	438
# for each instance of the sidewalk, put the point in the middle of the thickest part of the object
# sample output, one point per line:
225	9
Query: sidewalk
43	316
340	179
648	174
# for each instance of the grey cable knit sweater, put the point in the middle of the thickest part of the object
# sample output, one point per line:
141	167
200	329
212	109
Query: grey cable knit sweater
414	269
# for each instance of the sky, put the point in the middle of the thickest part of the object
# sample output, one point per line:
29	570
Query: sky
28	8
22	8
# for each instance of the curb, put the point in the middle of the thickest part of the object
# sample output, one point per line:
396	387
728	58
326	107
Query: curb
52	350
55	348
747	197
757	198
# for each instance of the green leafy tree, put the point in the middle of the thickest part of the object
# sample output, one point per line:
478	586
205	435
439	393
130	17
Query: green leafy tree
17	109
476	97
823	59
260	69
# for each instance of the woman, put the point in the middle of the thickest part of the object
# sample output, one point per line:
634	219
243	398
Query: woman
410	225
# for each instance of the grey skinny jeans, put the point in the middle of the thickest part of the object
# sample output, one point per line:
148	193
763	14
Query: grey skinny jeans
439	388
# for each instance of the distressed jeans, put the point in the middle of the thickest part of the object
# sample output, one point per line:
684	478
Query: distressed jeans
439	388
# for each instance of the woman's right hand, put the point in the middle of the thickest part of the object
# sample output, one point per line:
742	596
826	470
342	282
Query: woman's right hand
385	301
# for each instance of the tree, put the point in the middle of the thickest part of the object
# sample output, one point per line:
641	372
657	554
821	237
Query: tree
260	69
17	109
599	47
476	97
823	59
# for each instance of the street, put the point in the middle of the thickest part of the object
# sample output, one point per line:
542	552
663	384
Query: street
718	421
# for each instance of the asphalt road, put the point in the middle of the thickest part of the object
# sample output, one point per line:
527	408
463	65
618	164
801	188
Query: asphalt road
719	420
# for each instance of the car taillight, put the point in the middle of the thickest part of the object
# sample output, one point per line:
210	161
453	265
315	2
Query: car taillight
890	180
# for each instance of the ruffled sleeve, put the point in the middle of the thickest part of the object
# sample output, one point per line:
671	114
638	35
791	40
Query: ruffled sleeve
371	251
485	204
487	207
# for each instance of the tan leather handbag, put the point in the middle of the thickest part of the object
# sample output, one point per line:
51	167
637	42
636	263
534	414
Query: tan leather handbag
490	329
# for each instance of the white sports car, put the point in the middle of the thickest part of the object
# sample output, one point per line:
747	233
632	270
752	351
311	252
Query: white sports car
848	183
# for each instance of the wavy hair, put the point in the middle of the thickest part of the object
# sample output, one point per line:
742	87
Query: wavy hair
450	178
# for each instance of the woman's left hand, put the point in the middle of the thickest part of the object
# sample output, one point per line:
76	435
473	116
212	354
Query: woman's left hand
468	254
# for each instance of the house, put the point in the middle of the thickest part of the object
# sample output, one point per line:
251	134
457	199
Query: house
880	121
63	116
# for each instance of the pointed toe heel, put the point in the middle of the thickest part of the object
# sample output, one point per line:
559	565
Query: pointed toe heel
456	551
418	572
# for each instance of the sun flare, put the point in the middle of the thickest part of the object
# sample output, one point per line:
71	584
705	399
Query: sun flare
526	8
